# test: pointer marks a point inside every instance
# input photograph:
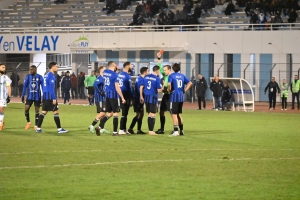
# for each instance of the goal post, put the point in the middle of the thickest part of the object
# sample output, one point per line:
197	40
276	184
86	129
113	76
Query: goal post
242	96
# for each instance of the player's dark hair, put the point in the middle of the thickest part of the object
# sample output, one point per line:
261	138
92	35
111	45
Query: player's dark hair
1	64
52	64
126	64
110	63
176	67
155	68
32	66
143	70
168	66
101	67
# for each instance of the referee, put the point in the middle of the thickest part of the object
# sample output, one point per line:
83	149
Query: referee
89	84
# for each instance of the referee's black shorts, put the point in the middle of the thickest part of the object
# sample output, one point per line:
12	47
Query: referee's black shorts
176	108
49	106
91	90
165	103
112	105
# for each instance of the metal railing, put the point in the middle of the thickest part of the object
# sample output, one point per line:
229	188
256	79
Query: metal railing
155	28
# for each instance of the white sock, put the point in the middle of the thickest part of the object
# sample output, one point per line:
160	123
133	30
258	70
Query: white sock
1	118
59	129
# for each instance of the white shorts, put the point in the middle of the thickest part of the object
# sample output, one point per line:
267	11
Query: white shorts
3	103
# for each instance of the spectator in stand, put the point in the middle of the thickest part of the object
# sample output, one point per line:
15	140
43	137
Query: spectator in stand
292	16
277	20
250	5
66	85
14	84
207	4
177	18
201	88
170	15
253	18
187	7
226	96
81	85
135	18
273	88
216	86
60	1
197	11
262	18
183	17
74	86
229	9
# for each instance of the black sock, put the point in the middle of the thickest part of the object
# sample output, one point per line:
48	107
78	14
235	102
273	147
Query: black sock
57	120
175	128
27	116
162	122
36	118
103	121
115	122
134	120
125	123
151	123
139	122
40	122
181	127
122	124
89	99
95	122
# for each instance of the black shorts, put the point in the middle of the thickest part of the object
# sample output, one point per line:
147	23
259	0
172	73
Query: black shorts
176	107
126	105
165	103
91	91
49	106
36	103
100	106
112	105
138	107
151	108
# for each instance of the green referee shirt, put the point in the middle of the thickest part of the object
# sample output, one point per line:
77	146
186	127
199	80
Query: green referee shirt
90	80
166	78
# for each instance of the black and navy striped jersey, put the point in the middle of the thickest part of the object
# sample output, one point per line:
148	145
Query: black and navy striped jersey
99	88
49	86
32	88
110	78
178	82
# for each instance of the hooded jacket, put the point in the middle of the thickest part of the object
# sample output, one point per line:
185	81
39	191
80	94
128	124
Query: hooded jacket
201	87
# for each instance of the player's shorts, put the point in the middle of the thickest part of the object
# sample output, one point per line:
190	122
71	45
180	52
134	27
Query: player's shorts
112	105
126	105
176	107
138	106
30	102
151	108
49	106
100	106
165	103
91	90
3	103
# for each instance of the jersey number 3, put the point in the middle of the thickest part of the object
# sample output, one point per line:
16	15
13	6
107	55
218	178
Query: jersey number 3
149	85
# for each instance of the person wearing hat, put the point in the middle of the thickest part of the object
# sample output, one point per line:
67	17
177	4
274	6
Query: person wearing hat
66	85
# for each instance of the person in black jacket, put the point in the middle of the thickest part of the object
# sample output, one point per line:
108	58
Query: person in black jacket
66	85
226	96
273	89
201	88
216	86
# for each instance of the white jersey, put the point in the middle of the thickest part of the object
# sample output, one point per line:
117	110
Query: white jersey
4	82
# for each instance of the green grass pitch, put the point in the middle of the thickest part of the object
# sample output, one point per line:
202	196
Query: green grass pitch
223	155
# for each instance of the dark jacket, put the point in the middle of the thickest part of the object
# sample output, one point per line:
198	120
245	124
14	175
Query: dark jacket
216	88
14	79
66	83
201	87
74	81
226	94
81	81
273	87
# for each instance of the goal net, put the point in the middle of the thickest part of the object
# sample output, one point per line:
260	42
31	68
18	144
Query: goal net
242	96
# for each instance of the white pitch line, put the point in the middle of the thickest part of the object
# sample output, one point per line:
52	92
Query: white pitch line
141	150
91	164
245	159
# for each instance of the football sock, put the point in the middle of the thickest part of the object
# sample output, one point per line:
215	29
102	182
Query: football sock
57	121
139	122
175	128
40	122
151	122
89	99
1	118
115	122
36	118
122	123
125	123
134	120
103	121
95	122
181	127
27	116
162	122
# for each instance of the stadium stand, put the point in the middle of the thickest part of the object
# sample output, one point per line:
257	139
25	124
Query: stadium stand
78	13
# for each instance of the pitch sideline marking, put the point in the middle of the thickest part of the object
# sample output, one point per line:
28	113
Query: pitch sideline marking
99	150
